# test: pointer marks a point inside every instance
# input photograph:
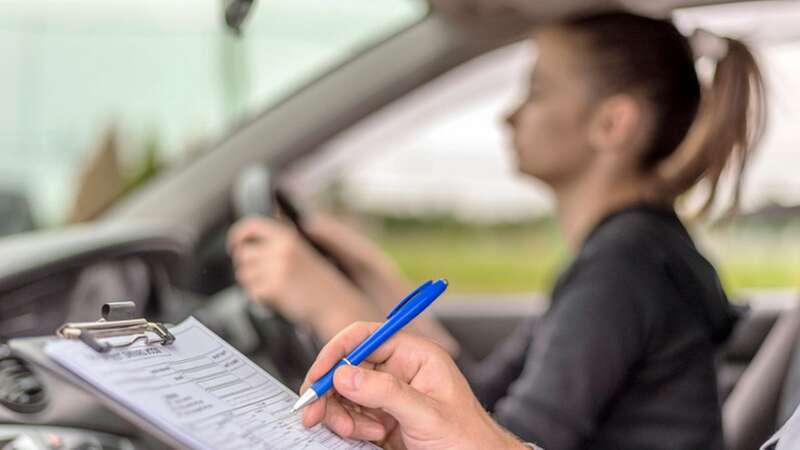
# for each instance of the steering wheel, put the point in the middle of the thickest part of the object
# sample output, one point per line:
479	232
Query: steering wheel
292	348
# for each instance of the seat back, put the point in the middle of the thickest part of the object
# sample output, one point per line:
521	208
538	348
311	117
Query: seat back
790	397
750	412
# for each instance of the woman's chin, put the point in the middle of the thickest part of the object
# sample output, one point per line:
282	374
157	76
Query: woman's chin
535	173
529	170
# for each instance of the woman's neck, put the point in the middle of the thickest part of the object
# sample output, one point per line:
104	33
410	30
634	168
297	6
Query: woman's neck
582	205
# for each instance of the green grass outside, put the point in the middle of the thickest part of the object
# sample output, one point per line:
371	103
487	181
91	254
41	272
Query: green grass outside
528	257
496	262
755	257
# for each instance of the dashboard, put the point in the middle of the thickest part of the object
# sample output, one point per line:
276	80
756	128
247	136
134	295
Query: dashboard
48	278
27	437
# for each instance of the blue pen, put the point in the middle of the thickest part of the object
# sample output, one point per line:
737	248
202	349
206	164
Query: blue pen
398	317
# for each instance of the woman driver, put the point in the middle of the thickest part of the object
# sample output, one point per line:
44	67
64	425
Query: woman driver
618	125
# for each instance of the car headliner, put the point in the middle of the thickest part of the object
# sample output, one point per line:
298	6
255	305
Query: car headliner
511	16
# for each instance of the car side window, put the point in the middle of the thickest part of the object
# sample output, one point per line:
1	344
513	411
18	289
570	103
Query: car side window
431	177
95	100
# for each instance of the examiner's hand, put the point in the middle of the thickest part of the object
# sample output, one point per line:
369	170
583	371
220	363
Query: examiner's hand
407	395
277	267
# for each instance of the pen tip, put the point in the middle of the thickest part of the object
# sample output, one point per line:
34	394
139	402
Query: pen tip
306	399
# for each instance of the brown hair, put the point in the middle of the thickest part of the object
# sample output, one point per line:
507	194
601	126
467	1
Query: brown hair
699	132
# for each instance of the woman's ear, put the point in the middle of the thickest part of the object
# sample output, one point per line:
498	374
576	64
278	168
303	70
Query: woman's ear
615	127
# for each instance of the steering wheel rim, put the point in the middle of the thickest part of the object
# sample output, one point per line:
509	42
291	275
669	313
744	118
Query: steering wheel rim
291	348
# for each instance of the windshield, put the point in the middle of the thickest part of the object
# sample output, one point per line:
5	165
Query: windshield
96	97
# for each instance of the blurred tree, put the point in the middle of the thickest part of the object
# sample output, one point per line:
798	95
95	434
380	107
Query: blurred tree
100	181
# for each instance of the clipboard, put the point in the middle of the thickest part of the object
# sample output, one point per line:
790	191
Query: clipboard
149	387
117	320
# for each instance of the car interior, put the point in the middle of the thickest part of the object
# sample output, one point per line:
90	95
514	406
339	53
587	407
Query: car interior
163	246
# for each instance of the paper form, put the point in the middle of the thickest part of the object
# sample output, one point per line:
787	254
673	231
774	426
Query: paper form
201	391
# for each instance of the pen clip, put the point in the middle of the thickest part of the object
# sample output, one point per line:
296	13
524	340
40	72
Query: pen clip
403	302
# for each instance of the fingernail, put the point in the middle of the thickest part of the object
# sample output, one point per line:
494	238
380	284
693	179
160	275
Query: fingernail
372	432
352	377
344	424
358	377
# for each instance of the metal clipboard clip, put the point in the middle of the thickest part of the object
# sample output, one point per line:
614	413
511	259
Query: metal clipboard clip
117	320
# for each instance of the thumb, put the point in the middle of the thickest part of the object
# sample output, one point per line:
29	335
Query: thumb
374	389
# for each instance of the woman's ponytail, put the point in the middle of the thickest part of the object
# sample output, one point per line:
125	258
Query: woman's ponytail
701	131
729	124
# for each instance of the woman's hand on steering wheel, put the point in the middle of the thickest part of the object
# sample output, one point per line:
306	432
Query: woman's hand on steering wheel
278	268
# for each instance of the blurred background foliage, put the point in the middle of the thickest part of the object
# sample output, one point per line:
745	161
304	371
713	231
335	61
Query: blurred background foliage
749	253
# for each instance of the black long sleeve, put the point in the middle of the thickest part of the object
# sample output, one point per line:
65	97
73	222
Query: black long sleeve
583	352
623	359
491	377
